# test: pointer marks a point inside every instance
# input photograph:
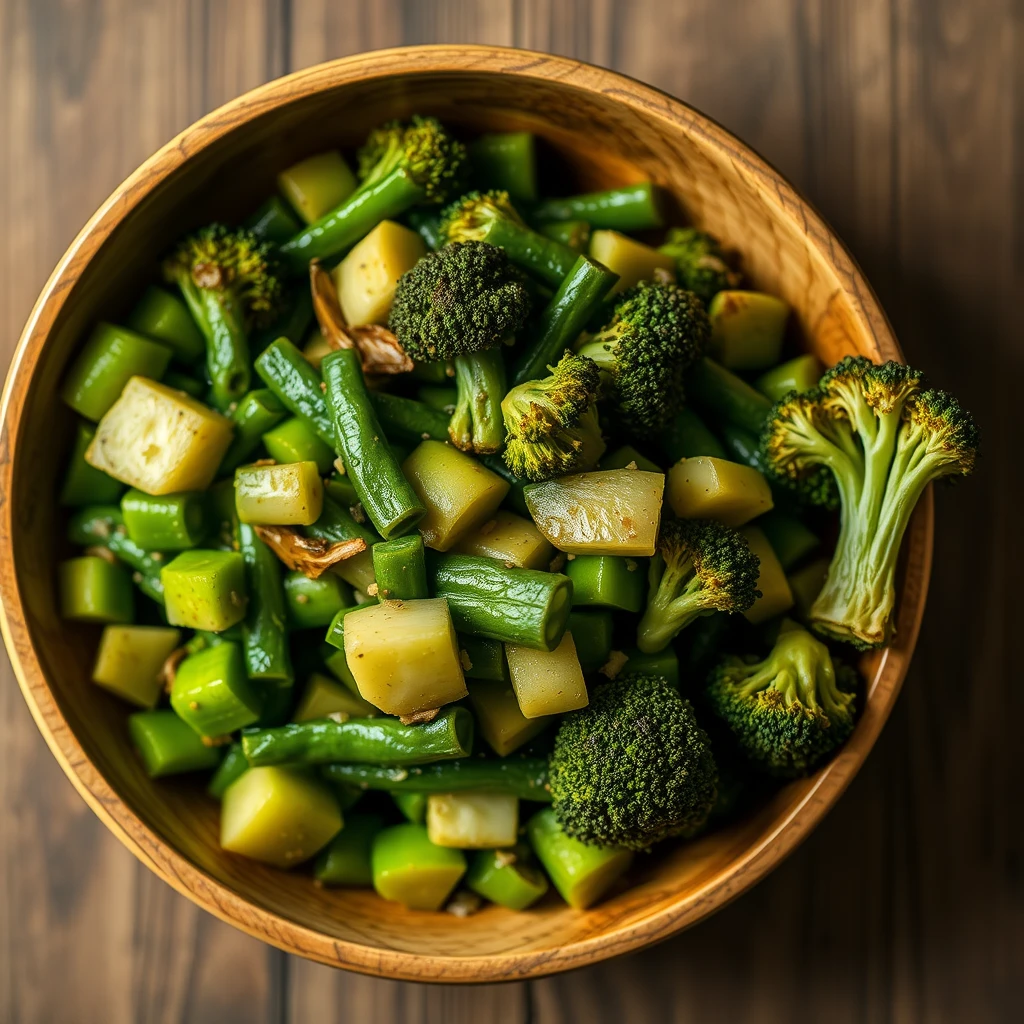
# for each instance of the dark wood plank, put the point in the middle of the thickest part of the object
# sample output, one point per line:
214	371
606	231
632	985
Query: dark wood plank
88	91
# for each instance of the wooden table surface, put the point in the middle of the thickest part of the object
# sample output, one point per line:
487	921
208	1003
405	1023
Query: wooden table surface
903	120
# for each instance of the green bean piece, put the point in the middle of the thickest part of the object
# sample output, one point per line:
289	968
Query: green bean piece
741	446
687	437
311	604
205	589
346	858
167	746
277	703
409	869
336	630
574	234
799	374
507	161
231	768
183	382
579	294
258	412
293	440
95	590
104	365
264	628
165	318
383	741
507	877
722	396
438	372
483	659
592	634
102	526
489	599
524	777
413	806
608	581
384	492
341	491
337	524
212	693
581	873
335	663
284	369
663	663
84	484
627	455
427	224
439	399
401	569
169	522
548	260
791	540
293	322
274	221
629	208
405	419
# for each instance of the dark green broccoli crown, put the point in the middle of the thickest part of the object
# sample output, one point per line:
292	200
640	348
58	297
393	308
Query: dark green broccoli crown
947	433
423	148
656	333
468	219
633	767
790	710
461	299
217	258
701	265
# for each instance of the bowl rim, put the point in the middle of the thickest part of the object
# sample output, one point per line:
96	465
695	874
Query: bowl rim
186	877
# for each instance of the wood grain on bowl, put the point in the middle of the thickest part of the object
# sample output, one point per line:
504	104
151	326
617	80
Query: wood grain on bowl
603	130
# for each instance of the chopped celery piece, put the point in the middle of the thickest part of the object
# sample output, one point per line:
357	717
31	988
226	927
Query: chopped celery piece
95	590
130	661
170	522
167	746
293	440
212	692
205	589
507	877
412	805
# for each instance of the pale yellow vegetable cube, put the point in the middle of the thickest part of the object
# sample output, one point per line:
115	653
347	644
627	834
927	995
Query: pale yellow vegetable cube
316	185
289	494
472	820
316	348
610	512
458	492
547	682
367	277
499	718
130	661
631	260
511	538
160	440
324	697
747	329
776	595
404	655
710	488
281	816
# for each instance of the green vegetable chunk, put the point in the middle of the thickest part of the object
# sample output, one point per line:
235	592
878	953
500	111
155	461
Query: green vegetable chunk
790	539
747	329
499	718
627	208
205	589
507	877
592	633
664	663
409	869
293	440
314	603
167	746
799	374
725	398
505	160
212	693
687	437
547	682
413	806
296	385
231	768
472	820
482	659
325	698
165	318
264	632
170	522
94	590
273	221
84	485
346	860
102	526
130	661
401	569
290	495
317	184
607	581
256	413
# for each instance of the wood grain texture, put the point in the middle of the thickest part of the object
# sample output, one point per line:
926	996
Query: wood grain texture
901	120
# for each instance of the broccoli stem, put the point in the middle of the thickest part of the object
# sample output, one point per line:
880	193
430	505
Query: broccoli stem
477	424
675	602
383	199
547	258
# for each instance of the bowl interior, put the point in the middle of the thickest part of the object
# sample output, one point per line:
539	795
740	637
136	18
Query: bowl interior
598	133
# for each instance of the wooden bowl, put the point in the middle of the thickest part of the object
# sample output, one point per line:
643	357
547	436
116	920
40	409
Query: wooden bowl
607	130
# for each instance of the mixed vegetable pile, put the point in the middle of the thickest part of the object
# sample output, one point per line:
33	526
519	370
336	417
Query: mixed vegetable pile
524	560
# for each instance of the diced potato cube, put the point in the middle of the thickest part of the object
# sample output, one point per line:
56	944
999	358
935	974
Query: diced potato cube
776	597
130	661
205	589
547	682
458	492
709	488
368	275
316	185
404	655
612	512
281	816
290	494
511	538
747	329
409	869
472	820
631	260
160	440
499	718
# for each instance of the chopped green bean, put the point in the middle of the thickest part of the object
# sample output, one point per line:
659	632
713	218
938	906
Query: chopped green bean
314	603
346	858
507	877
608	581
264	633
400	568
168	522
167	746
212	693
84	484
293	440
505	160
165	318
722	396
592	634
628	208
93	589
687	437
231	768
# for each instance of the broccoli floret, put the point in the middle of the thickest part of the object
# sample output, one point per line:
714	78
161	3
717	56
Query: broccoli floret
700	262
882	436
460	303
656	333
551	424
470	218
633	767
700	567
422	149
228	282
790	710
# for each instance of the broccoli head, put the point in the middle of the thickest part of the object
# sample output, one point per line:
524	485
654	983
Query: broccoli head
882	436
790	710
633	767
471	218
700	262
655	334
700	567
551	424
